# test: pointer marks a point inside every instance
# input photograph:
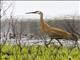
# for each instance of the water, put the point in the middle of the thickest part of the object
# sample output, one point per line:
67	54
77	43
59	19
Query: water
27	41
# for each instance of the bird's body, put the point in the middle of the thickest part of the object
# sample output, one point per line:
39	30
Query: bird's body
53	32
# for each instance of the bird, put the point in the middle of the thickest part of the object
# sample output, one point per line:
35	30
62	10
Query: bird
53	32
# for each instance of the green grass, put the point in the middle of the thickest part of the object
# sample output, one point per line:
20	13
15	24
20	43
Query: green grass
37	52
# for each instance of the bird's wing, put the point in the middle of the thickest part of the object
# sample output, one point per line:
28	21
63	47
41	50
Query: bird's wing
57	31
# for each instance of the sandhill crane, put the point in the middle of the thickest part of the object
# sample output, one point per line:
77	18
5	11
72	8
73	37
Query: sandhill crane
53	32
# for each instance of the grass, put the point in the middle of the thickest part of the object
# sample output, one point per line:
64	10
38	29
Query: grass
38	52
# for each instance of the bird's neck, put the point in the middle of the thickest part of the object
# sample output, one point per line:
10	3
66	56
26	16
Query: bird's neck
41	19
43	24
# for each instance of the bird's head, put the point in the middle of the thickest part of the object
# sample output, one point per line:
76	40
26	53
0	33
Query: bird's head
35	12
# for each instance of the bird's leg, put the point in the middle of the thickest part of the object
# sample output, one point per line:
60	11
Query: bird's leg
76	44
49	42
59	42
76	40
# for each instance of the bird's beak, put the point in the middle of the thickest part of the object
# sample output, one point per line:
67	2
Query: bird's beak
30	12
